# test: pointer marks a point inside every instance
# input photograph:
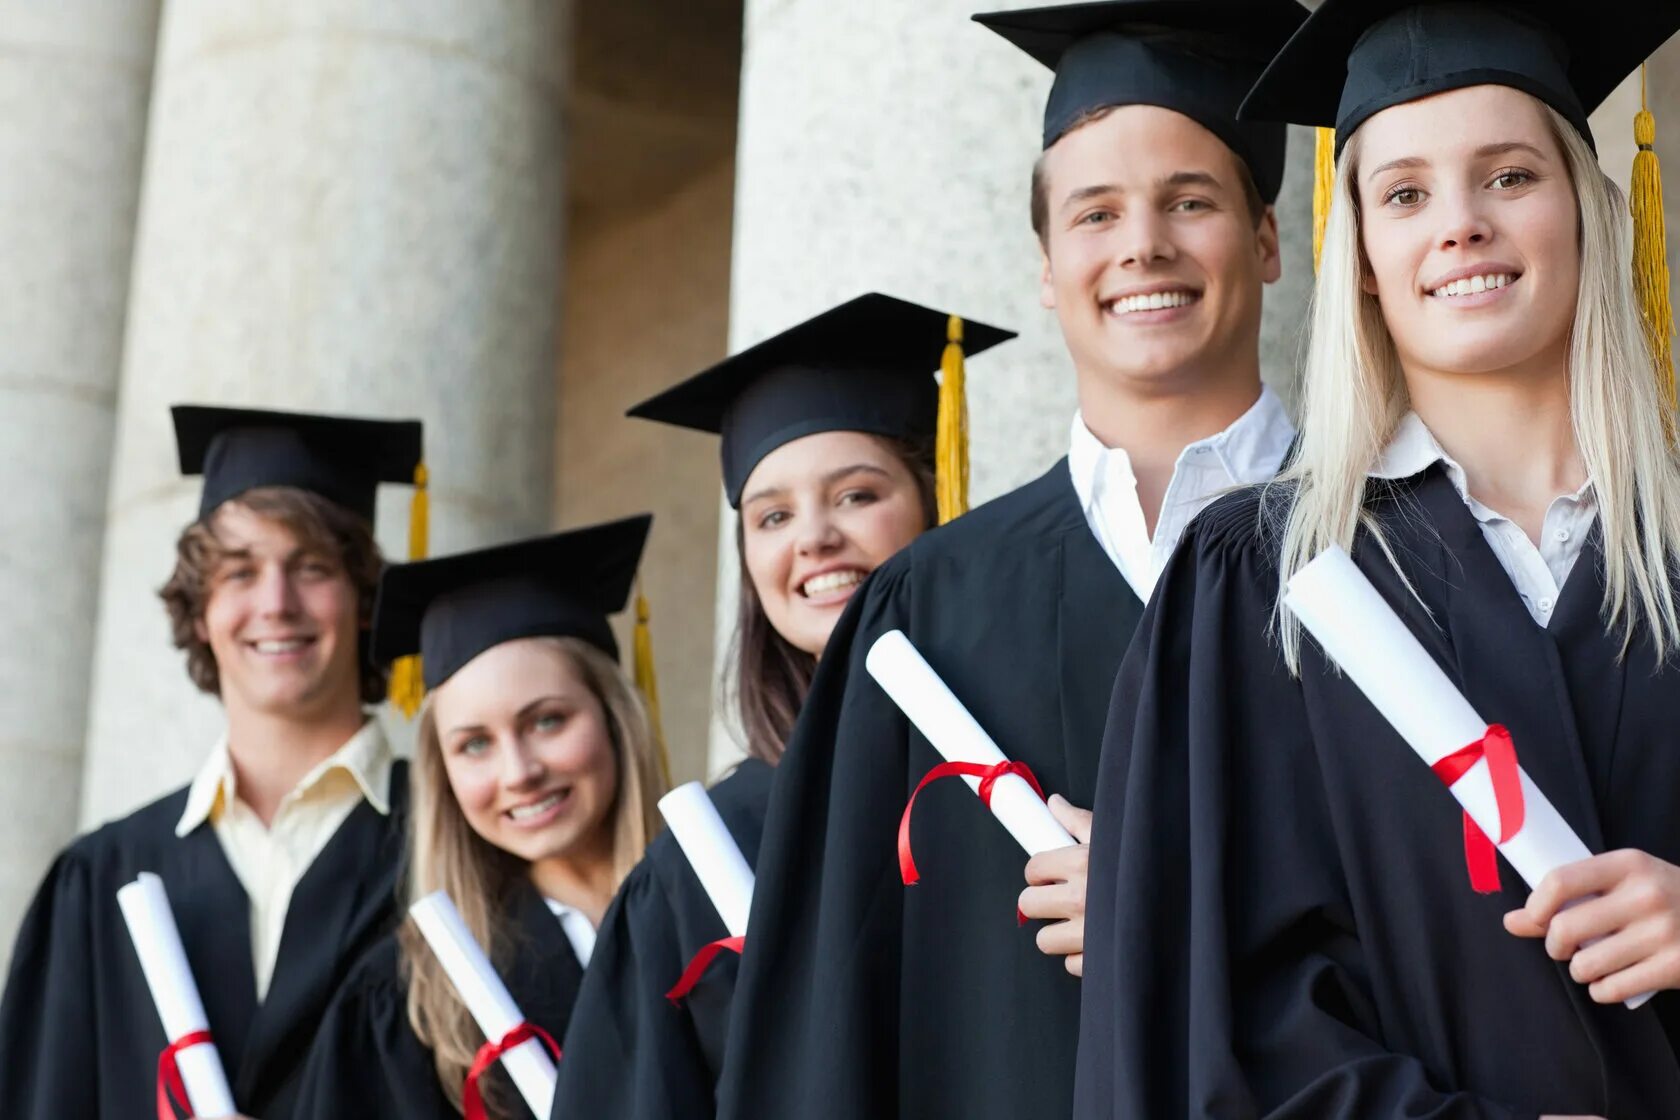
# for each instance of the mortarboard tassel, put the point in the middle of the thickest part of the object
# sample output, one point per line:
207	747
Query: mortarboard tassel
647	683
1324	186
951	445
1650	250
407	688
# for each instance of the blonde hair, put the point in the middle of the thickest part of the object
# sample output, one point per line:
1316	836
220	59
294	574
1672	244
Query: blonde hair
1354	396
446	854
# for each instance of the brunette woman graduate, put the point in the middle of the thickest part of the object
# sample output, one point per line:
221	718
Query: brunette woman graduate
1281	923
828	453
535	778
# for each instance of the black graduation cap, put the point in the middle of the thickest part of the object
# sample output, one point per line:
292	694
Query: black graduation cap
864	366
1354	58
452	608
1196	57
341	458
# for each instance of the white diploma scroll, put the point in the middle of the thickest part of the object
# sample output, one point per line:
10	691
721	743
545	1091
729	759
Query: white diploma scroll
1360	632
157	941
925	700
487	998
712	852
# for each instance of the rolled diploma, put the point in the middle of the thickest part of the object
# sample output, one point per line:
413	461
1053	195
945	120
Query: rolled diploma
712	852
1360	632
941	718
163	961
486	997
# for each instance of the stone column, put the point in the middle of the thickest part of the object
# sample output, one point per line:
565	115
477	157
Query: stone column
74	79
350	206
889	146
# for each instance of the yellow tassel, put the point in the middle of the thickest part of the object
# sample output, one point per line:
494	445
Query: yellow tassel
1650	251
648	683
951	447
407	688
1324	188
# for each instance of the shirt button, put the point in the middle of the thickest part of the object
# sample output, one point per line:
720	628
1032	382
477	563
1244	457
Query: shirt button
1545	606
1562	535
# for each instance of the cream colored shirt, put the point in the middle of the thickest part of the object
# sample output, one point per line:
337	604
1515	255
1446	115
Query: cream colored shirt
1251	450
1537	571
270	861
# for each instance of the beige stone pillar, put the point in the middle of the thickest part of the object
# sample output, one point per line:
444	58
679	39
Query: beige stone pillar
889	146
74	80
349	206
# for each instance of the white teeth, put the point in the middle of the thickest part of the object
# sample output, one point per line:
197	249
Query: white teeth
524	812
289	646
1472	284
832	581
1155	301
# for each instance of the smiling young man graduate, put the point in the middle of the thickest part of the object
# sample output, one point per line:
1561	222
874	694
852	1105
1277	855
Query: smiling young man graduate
280	858
858	997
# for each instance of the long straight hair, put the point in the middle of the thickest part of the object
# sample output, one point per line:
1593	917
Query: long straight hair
1355	396
446	854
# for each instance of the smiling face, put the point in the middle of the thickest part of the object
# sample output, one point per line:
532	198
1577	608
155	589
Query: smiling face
281	620
1469	225
528	752
819	514
1153	260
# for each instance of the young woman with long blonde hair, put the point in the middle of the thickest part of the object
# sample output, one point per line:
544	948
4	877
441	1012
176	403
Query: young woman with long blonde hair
535	780
1280	920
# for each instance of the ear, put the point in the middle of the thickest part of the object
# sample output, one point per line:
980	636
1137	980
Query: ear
200	631
1270	245
1046	282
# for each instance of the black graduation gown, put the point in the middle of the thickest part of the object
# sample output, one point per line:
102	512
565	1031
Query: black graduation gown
367	1062
859	997
1280	921
631	1055
79	1034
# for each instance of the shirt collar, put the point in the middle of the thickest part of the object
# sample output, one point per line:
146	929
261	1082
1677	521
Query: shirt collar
366	756
1251	449
1413	449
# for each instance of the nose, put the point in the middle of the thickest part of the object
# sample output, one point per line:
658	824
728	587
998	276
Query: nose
521	768
818	534
1143	239
1465	223
276	594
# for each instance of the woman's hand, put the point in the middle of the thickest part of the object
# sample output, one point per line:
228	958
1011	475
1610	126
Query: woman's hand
1057	892
1627	905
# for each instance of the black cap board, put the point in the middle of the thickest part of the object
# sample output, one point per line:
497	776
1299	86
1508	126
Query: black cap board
1195	57
865	366
341	458
452	608
1354	58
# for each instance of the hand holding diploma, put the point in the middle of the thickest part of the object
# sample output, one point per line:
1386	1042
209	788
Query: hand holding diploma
1057	893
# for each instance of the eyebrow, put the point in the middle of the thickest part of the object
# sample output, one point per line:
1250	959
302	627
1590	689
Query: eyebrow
1504	147
1176	179
827	480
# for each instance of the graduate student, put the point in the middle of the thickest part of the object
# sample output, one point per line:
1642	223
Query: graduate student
1282	922
535	782
859	997
280	858
828	436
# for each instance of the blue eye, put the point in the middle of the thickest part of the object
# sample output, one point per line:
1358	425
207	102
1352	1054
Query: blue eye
475	746
549	721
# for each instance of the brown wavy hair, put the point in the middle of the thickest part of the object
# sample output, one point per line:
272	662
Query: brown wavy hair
770	675
318	524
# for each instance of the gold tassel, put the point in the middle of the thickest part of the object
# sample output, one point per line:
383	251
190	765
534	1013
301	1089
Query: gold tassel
407	688
951	446
647	683
1324	188
1650	251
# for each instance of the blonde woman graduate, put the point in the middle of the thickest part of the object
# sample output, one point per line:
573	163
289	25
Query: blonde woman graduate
535	780
1282	923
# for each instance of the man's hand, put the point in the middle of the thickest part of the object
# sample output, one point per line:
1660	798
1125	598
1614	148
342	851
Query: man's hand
1627	904
1057	892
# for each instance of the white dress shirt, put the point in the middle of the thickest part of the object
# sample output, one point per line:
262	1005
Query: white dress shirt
579	930
270	860
1539	571
1251	450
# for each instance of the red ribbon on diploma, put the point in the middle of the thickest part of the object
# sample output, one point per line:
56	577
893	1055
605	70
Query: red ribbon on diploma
472	1104
988	776
169	1083
1480	856
701	962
